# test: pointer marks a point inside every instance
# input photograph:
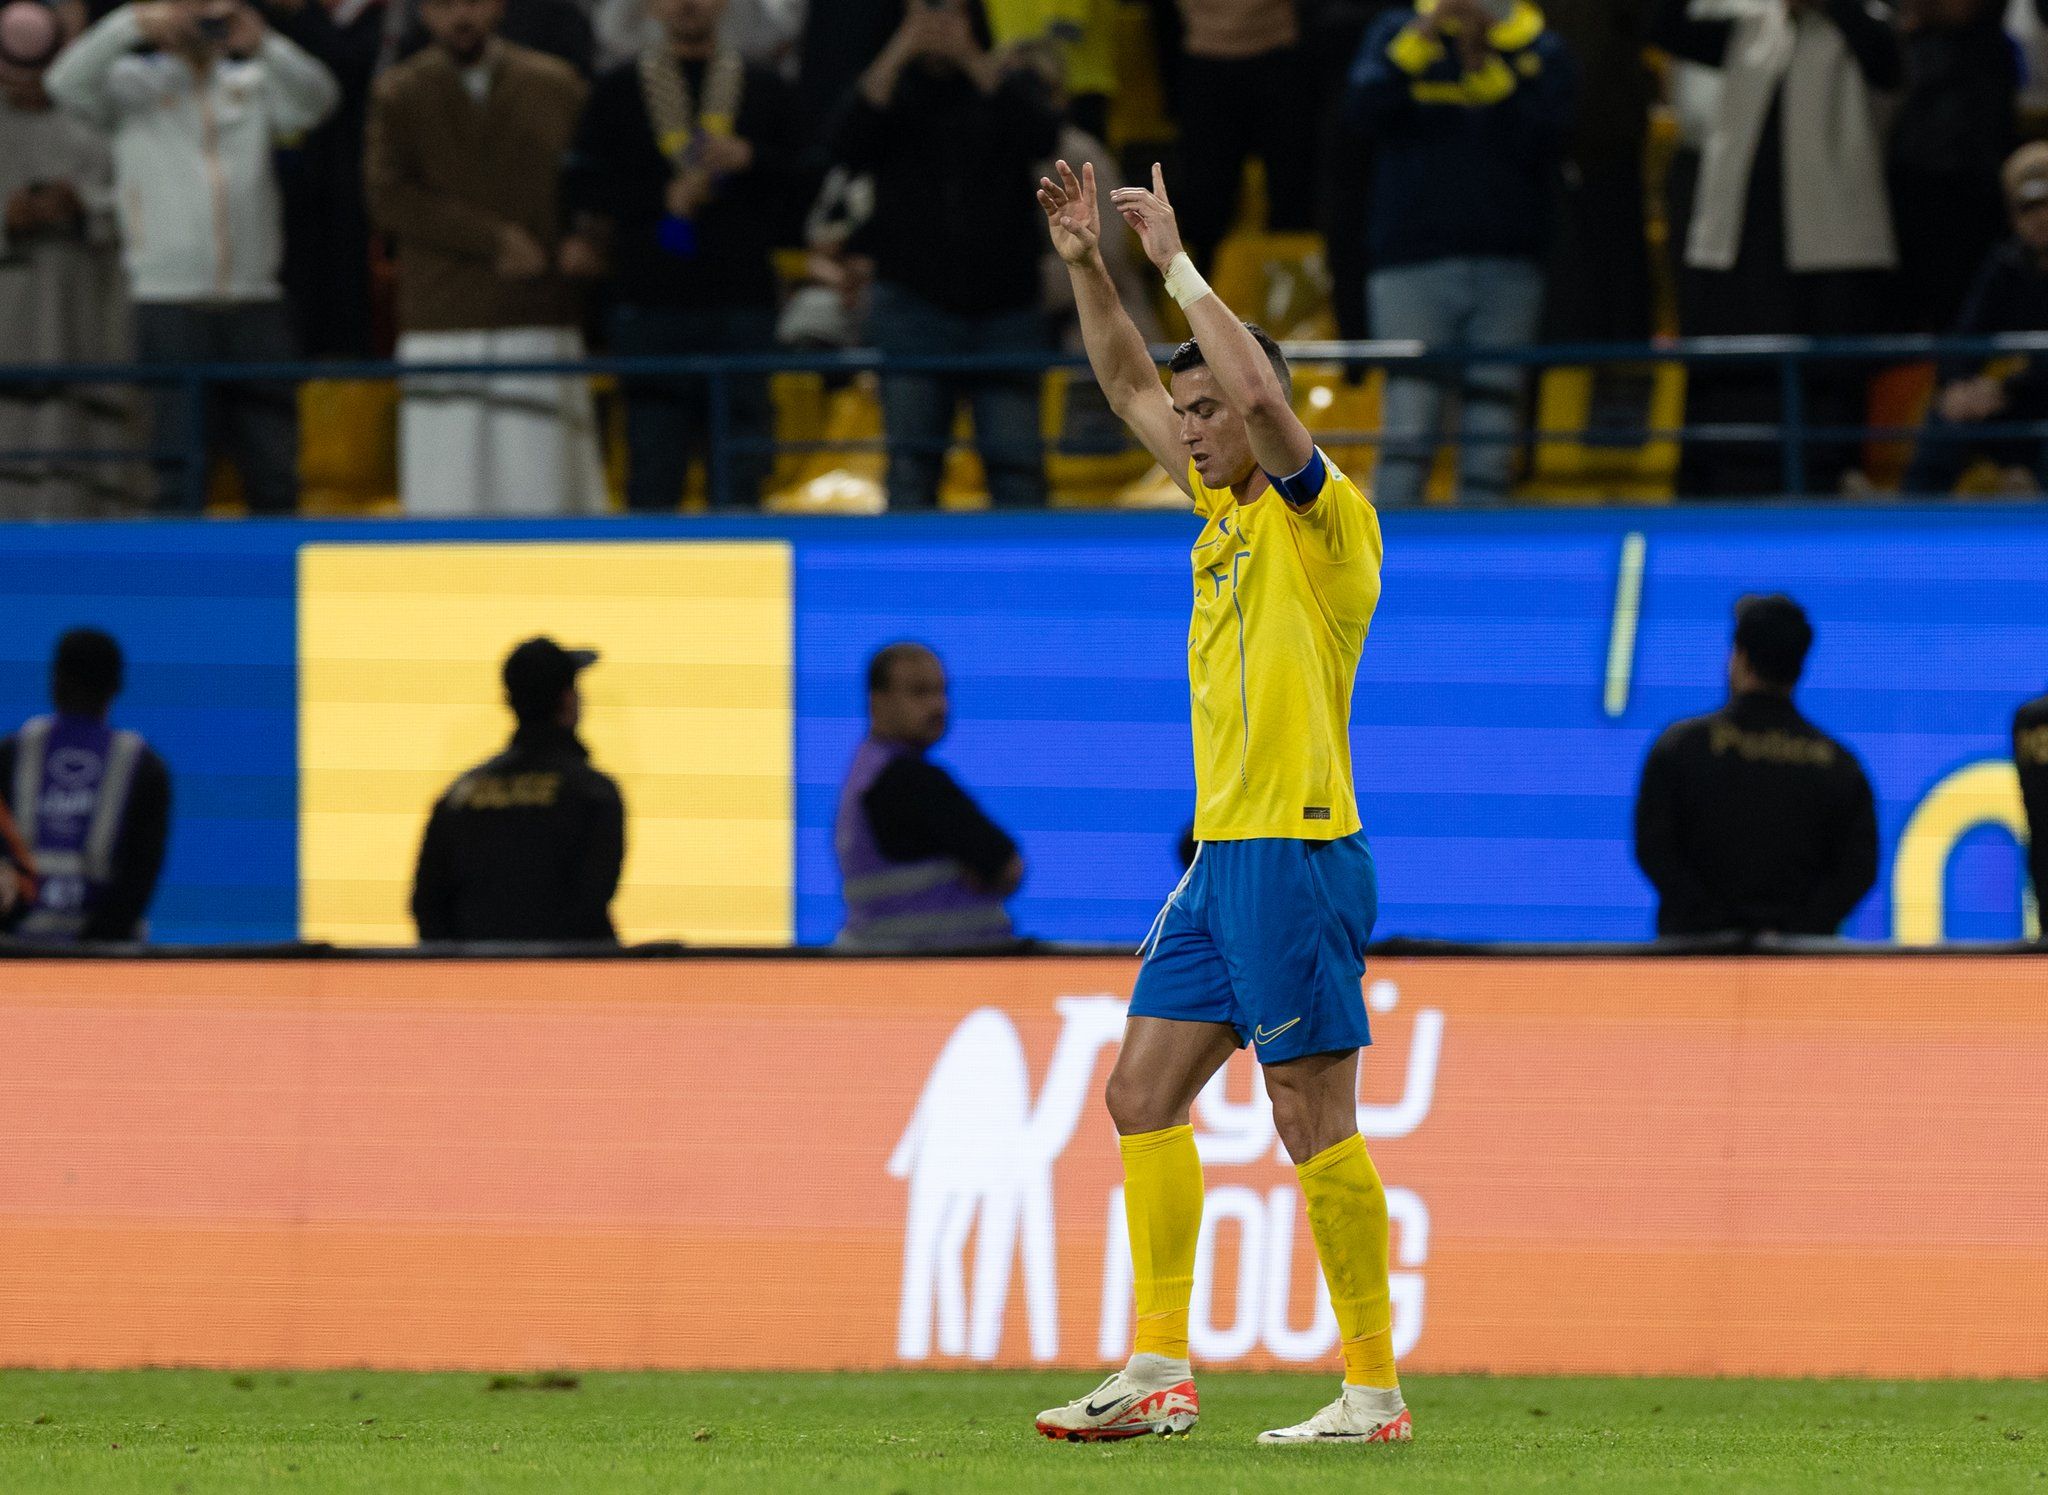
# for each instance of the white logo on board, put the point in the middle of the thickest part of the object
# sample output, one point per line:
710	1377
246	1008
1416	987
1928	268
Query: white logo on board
979	1156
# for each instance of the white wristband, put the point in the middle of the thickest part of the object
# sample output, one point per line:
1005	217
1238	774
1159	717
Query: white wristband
1184	282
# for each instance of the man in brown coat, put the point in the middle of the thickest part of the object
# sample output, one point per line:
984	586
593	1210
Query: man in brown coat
466	146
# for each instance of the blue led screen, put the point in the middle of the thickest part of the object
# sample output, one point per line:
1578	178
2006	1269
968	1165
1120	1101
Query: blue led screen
1495	785
1496	788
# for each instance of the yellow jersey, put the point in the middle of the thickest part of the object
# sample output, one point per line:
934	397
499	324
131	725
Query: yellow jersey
1283	599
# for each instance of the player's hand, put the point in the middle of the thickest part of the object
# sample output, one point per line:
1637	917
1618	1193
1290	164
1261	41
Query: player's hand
1150	216
1072	214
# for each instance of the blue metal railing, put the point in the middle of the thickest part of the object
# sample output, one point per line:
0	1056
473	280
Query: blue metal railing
1791	358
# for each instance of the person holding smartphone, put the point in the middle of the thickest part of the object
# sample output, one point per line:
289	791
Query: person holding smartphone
195	96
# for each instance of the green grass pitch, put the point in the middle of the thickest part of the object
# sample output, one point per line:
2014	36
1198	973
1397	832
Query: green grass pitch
172	1431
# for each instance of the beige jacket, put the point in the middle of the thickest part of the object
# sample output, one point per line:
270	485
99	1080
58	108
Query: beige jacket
196	190
1837	215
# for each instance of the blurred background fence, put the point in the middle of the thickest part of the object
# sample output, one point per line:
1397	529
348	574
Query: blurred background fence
1605	422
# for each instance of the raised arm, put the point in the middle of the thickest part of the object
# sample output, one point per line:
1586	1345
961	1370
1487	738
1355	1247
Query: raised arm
299	89
77	80
1116	349
1245	377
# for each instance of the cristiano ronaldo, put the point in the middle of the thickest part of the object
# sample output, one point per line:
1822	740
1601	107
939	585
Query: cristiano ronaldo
1264	940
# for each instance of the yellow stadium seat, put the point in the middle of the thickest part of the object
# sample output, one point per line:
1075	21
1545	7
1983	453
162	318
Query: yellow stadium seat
610	408
963	487
348	446
1084	468
800	417
1092	459
1154	490
1280	281
836	479
1344	417
1573	464
1137	110
845	481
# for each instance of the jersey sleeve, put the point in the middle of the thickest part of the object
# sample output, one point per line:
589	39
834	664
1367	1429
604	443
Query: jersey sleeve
1332	513
1338	532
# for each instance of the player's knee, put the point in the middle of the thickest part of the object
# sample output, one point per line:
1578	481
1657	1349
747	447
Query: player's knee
1307	1123
1132	1105
1294	1120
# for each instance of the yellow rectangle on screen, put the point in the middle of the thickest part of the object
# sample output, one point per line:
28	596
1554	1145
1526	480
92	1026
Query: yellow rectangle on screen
690	708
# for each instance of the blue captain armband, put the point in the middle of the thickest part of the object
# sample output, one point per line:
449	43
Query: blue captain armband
1305	486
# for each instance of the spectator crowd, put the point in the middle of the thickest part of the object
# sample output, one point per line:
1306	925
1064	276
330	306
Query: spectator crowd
479	183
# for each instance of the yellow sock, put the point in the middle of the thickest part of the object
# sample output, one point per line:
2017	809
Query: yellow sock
1347	1211
1163	1208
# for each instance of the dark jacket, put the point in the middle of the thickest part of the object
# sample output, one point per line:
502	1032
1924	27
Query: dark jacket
1463	164
954	220
2030	756
1753	819
840	39
617	172
1954	129
138	849
524	847
320	179
917	810
2011	295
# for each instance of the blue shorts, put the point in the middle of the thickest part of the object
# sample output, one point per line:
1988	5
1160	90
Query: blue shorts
1268	936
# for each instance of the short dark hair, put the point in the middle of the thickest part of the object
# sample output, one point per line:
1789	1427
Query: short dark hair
86	672
882	663
1773	634
1189	356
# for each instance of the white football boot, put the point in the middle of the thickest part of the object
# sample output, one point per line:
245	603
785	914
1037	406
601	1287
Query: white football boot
1152	1394
1362	1414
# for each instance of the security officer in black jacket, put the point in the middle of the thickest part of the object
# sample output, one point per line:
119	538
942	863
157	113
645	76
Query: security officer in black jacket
1753	819
527	846
2030	756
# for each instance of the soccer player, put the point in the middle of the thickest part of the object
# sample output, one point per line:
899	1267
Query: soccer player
1263	942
